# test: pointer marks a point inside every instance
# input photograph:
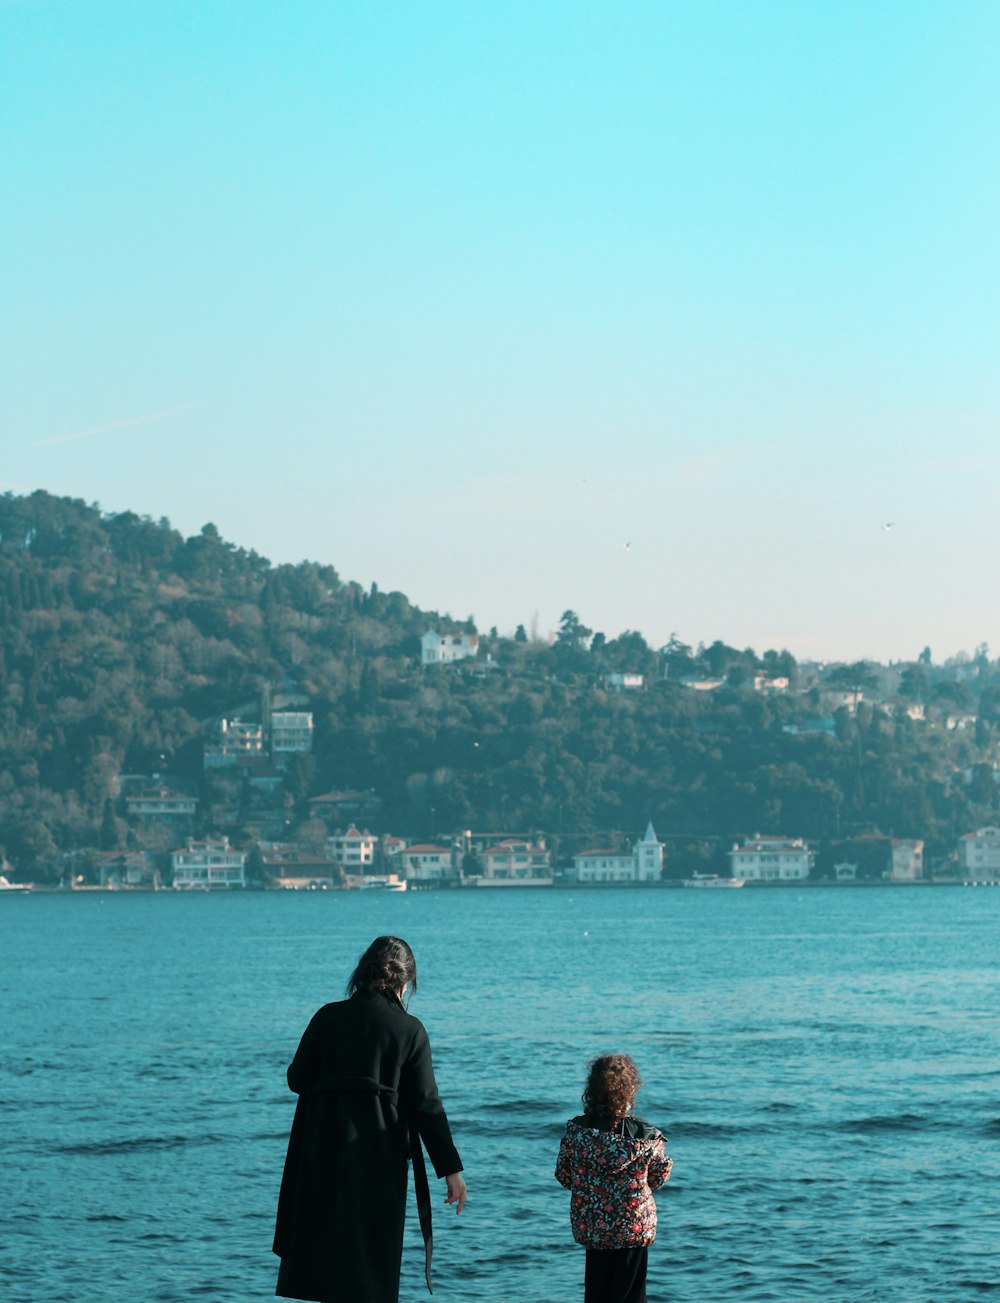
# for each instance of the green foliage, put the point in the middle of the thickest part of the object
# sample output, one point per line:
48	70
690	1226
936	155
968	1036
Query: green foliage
120	641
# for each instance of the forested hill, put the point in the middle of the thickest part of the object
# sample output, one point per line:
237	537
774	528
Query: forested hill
122	642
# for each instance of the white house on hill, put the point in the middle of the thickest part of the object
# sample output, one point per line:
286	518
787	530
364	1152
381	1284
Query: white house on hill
443	648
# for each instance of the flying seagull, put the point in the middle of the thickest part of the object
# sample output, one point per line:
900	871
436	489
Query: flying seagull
888	525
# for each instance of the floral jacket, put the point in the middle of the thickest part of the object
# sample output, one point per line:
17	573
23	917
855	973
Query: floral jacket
611	1172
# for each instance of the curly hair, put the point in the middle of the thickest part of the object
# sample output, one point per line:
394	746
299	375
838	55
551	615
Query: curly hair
387	965
611	1086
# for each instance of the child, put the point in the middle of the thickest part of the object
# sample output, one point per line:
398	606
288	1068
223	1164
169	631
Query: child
612	1162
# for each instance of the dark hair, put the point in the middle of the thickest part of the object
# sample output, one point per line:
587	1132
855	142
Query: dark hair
386	965
611	1086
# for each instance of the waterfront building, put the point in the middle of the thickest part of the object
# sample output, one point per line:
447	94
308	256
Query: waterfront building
298	866
643	863
979	855
603	866
515	862
209	863
771	859
443	648
422	862
906	861
353	851
125	869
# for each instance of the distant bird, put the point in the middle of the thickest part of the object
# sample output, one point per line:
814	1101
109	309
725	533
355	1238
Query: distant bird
889	524
628	547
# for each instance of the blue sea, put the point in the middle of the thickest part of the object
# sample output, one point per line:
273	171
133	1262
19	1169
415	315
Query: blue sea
825	1062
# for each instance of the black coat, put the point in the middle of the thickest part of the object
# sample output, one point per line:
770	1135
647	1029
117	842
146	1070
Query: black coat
363	1075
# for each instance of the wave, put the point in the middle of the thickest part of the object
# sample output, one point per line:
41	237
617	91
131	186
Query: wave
133	1145
472	1127
520	1106
890	1122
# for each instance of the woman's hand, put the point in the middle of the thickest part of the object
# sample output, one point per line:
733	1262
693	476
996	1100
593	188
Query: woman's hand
456	1190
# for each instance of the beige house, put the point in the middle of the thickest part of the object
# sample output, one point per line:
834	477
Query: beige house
514	863
907	861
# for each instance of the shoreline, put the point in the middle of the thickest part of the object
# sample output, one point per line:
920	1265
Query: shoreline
316	886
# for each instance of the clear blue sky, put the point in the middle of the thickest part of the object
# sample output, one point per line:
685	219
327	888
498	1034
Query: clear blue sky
464	298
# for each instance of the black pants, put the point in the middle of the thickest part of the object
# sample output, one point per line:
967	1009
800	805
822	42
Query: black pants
615	1276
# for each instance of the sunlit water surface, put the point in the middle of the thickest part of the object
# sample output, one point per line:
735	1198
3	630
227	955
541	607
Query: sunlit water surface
825	1063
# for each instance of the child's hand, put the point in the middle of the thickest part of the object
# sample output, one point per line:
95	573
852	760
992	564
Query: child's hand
456	1190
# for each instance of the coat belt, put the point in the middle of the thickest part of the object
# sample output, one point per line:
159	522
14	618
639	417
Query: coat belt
370	1086
358	1085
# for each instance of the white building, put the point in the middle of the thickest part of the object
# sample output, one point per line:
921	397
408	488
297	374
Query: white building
765	683
209	863
353	851
515	863
979	855
423	862
161	803
771	859
443	648
624	682
644	863
291	732
907	861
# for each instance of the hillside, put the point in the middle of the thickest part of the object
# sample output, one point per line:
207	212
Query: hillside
121	644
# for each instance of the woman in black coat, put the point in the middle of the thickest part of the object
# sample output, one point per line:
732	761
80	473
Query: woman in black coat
367	1097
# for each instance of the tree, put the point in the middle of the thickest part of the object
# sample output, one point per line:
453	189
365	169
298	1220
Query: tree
108	838
854	678
915	682
571	632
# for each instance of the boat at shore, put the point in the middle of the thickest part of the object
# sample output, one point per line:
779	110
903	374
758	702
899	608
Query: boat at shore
713	880
14	888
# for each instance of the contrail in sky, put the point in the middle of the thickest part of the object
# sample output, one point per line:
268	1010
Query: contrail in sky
103	429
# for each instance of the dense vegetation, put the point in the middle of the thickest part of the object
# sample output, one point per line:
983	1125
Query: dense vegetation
120	641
